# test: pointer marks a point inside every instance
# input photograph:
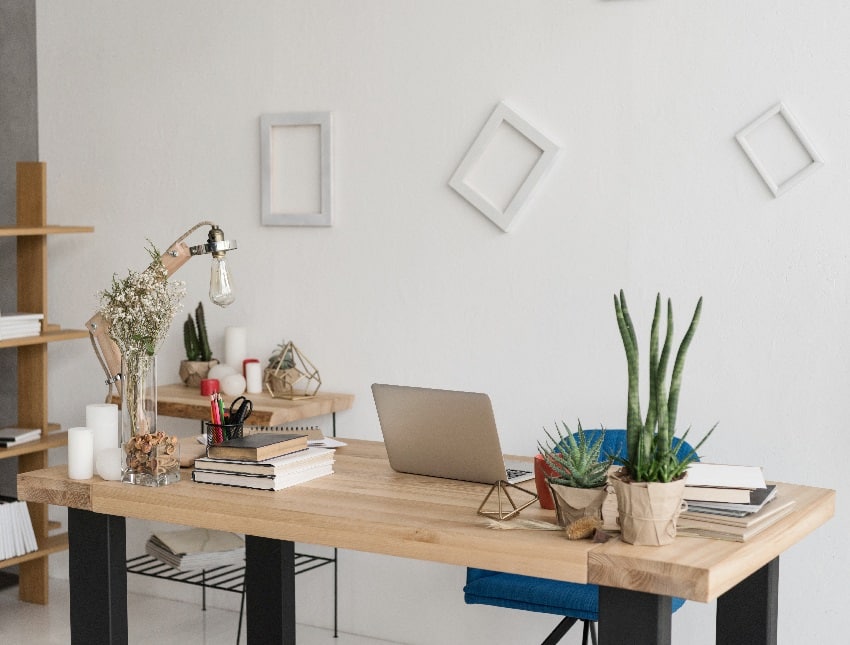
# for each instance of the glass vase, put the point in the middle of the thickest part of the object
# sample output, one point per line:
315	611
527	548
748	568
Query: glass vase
151	458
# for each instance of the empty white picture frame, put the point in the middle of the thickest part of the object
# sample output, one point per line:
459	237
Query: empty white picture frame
504	165
295	149
779	149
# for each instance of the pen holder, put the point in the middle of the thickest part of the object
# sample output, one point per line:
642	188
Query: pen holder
218	432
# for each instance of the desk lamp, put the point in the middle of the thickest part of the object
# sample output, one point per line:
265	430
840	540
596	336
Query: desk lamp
177	254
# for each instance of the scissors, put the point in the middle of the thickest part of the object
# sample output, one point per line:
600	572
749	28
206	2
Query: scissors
240	410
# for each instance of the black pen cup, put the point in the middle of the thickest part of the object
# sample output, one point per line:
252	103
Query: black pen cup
218	432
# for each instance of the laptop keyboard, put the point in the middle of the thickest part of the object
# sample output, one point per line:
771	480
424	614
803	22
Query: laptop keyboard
518	474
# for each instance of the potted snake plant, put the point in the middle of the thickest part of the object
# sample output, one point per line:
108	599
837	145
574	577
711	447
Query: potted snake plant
577	473
651	483
199	358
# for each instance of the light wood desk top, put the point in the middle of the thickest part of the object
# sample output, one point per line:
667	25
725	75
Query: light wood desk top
177	400
366	506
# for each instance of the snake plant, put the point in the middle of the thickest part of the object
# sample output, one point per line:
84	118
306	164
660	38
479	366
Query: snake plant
652	448
575	460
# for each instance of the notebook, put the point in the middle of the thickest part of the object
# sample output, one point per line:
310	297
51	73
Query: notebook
443	433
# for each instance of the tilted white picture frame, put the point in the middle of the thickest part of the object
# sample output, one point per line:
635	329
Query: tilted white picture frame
505	217
274	209
779	187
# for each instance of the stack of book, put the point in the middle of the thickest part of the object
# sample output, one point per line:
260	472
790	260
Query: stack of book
20	325
730	502
266	461
16	534
192	549
10	437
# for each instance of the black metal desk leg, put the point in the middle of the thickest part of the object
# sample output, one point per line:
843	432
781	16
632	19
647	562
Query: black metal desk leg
270	590
97	554
747	613
634	618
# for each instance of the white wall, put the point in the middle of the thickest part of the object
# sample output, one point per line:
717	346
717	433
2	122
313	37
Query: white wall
149	122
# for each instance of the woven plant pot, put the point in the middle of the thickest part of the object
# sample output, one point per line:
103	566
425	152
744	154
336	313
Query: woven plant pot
193	372
648	511
572	504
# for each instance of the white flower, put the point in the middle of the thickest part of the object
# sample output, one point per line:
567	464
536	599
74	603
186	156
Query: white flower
140	307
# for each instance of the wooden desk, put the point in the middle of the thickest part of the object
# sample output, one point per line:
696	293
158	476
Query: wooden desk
366	506
177	400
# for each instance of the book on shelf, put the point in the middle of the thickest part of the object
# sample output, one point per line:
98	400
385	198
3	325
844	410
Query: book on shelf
758	498
263	482
15	436
20	325
269	467
18	317
258	447
196	548
736	529
722	482
17	536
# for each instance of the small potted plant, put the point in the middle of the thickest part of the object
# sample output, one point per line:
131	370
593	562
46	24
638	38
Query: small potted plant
651	483
199	358
579	478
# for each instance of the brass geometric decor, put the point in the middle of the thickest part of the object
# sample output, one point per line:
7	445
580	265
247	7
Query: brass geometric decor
502	495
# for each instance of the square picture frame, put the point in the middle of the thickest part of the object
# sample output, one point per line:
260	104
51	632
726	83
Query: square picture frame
776	186
526	179
296	169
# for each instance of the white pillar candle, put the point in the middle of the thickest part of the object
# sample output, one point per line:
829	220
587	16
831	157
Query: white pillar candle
102	418
235	346
80	453
108	463
254	378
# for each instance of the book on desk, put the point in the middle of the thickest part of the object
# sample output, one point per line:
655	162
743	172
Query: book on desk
729	502
257	447
270	474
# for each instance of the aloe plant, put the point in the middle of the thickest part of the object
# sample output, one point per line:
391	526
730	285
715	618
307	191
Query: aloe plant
653	449
575	460
195	337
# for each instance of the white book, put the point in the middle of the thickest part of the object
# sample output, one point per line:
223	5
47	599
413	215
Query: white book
5	531
19	434
725	476
275	466
30	544
19	317
277	482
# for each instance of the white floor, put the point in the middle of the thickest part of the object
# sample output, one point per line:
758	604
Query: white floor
150	619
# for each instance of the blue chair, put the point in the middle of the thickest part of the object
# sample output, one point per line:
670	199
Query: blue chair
572	600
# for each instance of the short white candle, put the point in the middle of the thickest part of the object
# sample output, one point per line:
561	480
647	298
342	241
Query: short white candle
102	418
235	346
80	453
109	463
254	378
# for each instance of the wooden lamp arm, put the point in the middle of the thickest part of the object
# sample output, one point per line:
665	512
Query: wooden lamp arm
175	256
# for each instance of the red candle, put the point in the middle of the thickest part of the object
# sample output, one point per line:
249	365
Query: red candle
209	386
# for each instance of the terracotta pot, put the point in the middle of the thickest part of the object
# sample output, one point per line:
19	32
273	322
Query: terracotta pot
648	511
542	470
572	504
193	372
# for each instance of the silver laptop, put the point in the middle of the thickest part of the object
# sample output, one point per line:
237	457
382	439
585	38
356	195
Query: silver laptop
443	433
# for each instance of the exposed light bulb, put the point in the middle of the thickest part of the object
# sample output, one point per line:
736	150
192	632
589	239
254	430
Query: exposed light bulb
221	284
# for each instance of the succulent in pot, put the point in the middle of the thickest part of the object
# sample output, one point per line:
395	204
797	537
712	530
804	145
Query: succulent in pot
579	473
199	358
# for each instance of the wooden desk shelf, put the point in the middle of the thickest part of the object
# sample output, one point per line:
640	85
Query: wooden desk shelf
183	402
